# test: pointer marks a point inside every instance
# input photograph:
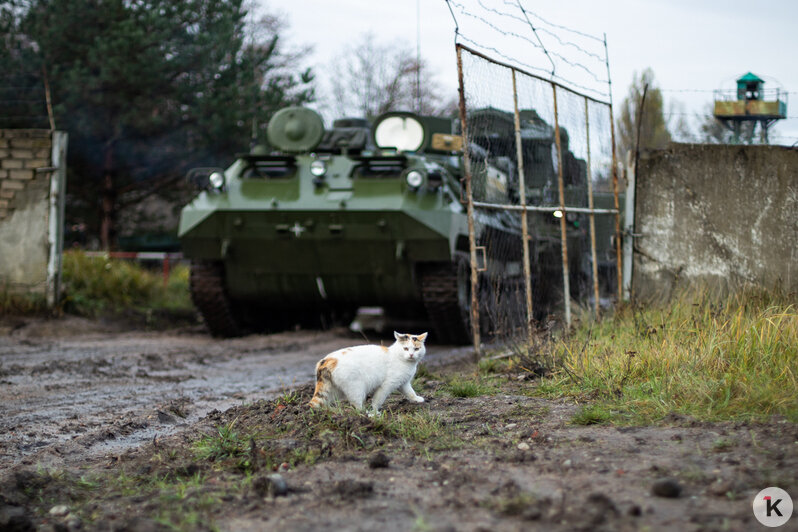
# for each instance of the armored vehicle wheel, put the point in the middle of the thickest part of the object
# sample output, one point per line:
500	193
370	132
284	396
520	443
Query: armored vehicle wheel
447	296
206	283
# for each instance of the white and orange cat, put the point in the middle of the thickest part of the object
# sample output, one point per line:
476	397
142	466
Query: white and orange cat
357	372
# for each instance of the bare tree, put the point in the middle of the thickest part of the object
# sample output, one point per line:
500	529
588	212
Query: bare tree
371	78
652	126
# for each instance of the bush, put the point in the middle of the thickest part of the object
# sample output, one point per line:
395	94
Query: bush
96	286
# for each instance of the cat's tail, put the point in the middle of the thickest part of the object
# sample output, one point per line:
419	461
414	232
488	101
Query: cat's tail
324	383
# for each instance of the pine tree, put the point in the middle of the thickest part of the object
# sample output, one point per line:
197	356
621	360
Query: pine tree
146	89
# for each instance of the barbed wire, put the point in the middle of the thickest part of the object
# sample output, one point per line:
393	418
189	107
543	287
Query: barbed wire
544	30
709	115
561	27
498	22
718	90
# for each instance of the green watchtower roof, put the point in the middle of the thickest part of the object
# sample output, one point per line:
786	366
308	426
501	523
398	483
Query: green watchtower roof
750	78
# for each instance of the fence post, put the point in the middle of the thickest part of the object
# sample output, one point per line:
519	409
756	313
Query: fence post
592	215
524	225
566	283
469	211
618	261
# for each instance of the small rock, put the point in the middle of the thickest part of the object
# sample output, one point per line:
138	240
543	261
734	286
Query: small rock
59	511
568	463
523	446
273	485
379	460
163	417
278	487
666	487
511	425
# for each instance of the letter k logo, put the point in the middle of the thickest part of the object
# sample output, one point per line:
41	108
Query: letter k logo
772	506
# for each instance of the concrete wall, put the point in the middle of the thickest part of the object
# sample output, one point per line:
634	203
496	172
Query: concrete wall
32	184
716	215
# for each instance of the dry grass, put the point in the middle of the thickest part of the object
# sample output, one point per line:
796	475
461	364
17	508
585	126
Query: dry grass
737	359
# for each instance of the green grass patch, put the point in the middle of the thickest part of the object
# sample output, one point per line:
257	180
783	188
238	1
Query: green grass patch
737	359
226	443
591	414
95	286
459	386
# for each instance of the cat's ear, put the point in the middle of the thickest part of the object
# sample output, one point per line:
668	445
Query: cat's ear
422	336
396	335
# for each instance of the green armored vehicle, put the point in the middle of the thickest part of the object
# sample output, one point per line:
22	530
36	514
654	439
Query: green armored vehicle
368	215
330	221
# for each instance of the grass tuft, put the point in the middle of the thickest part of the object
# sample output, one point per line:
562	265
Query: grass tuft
468	387
592	414
15	304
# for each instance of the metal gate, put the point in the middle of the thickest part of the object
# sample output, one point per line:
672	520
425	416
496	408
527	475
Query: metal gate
541	192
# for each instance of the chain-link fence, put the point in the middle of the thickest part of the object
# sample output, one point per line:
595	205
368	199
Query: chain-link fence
541	194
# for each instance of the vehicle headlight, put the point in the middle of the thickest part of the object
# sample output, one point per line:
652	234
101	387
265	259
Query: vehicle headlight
216	179
414	179
318	168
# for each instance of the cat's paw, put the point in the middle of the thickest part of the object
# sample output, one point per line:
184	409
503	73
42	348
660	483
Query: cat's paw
417	399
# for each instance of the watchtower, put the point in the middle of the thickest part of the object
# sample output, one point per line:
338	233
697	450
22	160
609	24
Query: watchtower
751	102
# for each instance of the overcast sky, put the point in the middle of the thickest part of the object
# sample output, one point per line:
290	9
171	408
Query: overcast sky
693	46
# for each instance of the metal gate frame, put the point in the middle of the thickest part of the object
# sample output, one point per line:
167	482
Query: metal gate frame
523	208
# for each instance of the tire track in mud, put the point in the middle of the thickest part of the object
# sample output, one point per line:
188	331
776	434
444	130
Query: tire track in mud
77	392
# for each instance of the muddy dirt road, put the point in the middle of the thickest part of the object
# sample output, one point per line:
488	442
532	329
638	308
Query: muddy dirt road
112	429
73	388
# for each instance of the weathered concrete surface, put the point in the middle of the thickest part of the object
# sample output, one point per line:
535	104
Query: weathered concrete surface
718	216
31	210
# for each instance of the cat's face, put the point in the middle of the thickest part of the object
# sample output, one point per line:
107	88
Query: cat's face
411	346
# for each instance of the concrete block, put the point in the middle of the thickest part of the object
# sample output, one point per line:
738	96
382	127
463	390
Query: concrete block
3	204
9	184
30	143
717	217
27	133
22	153
36	163
11	163
6	193
20	174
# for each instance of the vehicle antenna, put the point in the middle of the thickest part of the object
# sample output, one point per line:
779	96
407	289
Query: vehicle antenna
418	56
